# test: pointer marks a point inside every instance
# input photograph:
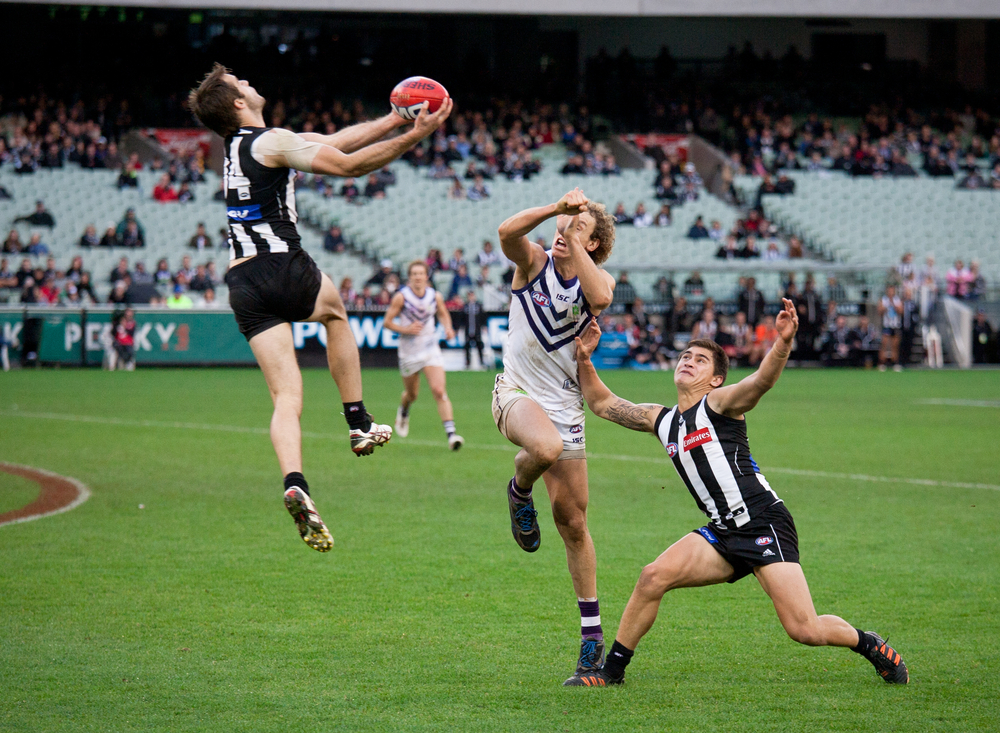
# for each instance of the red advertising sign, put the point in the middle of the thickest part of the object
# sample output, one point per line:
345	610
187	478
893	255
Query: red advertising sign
671	144
181	142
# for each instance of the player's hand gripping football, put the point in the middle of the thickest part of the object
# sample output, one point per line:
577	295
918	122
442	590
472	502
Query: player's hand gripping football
587	342
572	203
427	122
787	322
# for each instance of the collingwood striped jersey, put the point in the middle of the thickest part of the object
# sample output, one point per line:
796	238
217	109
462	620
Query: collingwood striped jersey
545	316
712	456
260	201
418	309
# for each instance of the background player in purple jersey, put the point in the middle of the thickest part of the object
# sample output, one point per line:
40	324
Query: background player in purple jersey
750	531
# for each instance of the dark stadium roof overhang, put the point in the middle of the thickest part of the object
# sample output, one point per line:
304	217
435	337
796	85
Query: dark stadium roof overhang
626	8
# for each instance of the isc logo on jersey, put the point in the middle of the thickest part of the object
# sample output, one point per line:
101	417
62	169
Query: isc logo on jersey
671	449
761	541
541	299
244	213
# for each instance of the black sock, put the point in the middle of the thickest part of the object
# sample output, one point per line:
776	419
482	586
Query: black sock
864	643
404	410
296	479
617	660
357	416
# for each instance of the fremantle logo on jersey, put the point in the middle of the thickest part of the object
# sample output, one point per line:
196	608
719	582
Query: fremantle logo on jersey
251	212
693	440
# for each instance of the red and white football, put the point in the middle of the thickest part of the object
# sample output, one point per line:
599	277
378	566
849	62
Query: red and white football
410	93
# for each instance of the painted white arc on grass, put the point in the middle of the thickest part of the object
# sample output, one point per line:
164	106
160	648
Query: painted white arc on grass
957	403
101	420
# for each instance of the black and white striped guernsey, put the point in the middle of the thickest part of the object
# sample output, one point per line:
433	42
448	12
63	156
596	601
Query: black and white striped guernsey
260	201
712	456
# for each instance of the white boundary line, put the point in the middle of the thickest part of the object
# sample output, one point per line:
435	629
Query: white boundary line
488	446
82	493
957	403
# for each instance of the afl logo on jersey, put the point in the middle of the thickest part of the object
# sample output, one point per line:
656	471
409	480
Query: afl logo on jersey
761	541
671	449
541	299
576	429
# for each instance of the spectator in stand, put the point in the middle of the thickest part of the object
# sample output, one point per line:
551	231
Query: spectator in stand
85	289
132	237
750	250
162	275
574	166
350	190
89	237
333	240
488	257
120	272
624	292
795	248
900	167
890	308
809	305
698	230
200	241
374	188
772	253
384	271
840	344
40	217
834	290
664	217
905	267
185	194
982	335
110	238
7	277
715	232
129	217
478	191
347	291
439	170
119	293
764	337
212	274
140	276
460	282
957	279
666	189
435	262
13	245
36	246
200	282
868	343
163	191
457	191
610	167
457	260
707	327
751	303
25	273
977	283
742	338
621	216
728	249
694	286
179	299
642	218
185	272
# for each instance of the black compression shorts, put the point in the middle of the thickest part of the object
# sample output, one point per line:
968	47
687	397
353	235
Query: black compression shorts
768	538
271	289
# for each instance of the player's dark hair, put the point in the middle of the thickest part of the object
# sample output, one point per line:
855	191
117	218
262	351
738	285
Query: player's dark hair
604	232
212	102
720	360
418	263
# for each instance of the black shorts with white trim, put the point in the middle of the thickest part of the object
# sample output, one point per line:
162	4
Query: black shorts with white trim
273	288
768	538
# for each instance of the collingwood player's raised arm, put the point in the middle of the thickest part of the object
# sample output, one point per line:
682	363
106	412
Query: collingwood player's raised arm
601	400
358	136
287	150
743	396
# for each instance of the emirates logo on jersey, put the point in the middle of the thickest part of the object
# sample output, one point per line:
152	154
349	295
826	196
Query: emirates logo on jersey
699	437
541	299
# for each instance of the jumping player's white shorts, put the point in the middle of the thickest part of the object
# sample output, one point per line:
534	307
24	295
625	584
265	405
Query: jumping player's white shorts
428	357
568	420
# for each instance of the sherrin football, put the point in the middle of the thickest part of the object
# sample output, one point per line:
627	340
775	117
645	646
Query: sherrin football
410	93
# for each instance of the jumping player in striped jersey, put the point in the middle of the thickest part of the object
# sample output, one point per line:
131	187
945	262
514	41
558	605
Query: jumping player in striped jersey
272	281
416	305
537	403
750	531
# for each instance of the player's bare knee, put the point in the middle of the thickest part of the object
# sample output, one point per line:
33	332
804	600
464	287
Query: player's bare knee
547	452
440	395
804	633
655	580
571	521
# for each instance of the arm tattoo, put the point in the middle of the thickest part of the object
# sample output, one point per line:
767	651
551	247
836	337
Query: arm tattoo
633	417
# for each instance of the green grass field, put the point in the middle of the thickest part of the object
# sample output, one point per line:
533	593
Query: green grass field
204	611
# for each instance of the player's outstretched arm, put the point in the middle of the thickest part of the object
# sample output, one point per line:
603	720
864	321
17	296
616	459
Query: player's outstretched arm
358	136
601	400
333	162
514	231
743	396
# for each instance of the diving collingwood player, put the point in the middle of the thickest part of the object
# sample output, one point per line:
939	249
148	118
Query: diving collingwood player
537	403
272	280
750	531
415	305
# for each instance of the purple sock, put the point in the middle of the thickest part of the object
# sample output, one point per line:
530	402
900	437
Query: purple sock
518	492
590	619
